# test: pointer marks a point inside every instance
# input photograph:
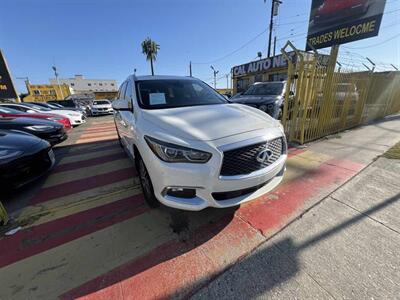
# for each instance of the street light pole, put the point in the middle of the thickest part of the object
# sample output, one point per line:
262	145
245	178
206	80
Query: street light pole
215	76
58	82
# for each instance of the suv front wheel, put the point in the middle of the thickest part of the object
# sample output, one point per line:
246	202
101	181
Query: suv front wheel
147	185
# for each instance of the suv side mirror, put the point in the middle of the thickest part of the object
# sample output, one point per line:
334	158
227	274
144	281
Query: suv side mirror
121	104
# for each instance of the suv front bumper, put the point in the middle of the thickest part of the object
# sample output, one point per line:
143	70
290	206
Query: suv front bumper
212	190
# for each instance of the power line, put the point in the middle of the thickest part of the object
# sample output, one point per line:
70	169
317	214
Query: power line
233	52
377	44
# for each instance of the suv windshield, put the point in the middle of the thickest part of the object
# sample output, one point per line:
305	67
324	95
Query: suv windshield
275	88
100	102
176	93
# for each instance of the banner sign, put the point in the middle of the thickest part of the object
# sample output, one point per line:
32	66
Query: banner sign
7	90
261	65
276	62
335	22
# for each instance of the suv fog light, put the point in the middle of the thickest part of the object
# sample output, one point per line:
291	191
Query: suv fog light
181	192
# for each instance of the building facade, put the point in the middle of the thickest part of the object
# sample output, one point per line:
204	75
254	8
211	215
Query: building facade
46	92
79	84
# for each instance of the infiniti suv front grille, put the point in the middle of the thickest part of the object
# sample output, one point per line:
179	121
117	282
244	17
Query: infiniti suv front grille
242	161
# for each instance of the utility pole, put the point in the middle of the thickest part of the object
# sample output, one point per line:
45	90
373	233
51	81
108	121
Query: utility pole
215	76
190	68
227	81
58	82
274	45
274	12
26	80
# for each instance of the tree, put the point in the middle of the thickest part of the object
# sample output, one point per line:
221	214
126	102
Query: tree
150	49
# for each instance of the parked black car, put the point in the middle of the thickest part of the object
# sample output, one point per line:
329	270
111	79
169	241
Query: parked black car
266	96
23	158
50	131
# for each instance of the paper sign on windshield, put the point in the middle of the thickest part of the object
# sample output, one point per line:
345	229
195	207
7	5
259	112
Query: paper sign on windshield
157	98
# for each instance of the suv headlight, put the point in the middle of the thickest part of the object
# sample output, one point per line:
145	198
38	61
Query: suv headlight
174	153
39	127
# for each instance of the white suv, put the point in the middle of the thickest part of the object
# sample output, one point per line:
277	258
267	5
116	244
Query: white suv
192	148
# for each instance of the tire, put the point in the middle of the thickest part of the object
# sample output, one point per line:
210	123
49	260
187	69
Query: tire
280	114
119	137
146	184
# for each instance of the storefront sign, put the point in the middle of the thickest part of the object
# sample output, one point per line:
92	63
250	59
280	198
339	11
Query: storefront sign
260	66
334	22
7	90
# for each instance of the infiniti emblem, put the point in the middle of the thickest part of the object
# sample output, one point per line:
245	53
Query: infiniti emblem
264	155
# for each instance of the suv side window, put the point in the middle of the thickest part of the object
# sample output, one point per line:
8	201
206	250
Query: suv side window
121	93
128	93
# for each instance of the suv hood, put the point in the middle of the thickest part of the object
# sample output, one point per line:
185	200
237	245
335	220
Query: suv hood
247	99
209	122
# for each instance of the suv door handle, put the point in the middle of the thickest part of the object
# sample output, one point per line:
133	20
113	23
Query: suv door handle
123	123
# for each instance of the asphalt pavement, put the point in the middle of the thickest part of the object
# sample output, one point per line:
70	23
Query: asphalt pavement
329	230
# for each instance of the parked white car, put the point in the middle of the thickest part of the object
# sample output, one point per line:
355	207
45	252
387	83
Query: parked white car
76	118
101	107
192	148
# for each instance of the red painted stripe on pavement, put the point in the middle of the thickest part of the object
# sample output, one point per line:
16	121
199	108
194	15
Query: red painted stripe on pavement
111	126
90	137
89	162
294	151
76	186
169	269
271	211
175	269
40	238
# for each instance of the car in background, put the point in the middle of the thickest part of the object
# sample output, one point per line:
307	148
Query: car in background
266	96
192	148
101	107
55	107
71	105
50	131
23	158
10	112
76	118
331	11
346	91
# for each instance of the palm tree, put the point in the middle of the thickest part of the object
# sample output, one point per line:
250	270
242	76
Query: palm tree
150	49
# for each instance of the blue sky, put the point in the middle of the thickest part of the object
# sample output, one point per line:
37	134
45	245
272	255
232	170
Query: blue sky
101	38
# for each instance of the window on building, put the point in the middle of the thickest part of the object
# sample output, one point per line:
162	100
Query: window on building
72	84
112	84
89	84
100	84
36	92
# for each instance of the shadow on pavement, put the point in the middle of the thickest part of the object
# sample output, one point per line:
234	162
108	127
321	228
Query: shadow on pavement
271	266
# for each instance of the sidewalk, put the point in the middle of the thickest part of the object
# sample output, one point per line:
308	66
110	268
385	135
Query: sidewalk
346	247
